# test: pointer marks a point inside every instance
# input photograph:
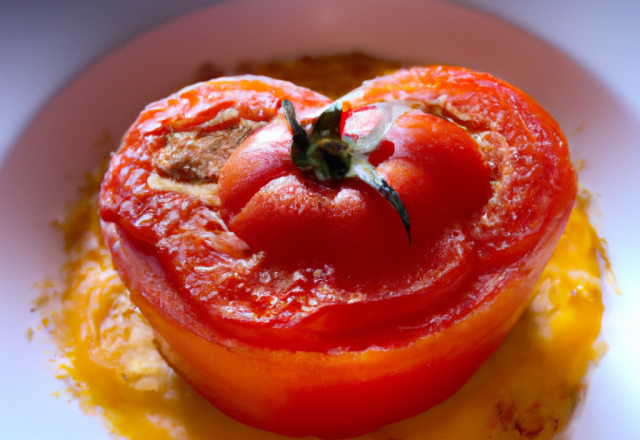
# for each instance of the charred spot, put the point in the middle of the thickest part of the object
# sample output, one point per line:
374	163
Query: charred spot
198	157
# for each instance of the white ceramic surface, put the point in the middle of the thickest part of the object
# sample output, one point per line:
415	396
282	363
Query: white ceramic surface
41	173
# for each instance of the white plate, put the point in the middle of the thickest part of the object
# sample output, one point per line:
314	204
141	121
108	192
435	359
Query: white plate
41	174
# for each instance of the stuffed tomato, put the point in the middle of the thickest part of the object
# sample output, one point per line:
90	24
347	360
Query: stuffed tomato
326	268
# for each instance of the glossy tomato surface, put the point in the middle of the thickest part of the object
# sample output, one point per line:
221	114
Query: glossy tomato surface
298	305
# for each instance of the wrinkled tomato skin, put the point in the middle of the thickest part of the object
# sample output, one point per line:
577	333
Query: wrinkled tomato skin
328	373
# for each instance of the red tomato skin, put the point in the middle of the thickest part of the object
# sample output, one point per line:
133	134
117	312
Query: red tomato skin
329	395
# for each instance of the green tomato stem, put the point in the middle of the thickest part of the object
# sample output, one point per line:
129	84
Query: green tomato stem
330	157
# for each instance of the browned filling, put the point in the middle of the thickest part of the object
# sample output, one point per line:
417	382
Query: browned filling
197	156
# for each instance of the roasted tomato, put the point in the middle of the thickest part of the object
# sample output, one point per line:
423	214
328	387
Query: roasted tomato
319	268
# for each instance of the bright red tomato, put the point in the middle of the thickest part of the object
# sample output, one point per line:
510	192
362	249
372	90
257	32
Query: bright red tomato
297	304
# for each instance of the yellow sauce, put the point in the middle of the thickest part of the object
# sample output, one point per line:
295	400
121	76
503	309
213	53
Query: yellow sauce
528	389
